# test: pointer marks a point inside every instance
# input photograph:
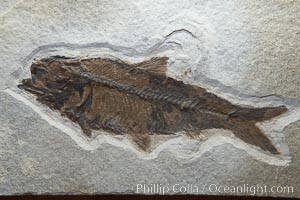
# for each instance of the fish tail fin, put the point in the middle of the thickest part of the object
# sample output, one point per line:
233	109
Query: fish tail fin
258	114
251	134
243	125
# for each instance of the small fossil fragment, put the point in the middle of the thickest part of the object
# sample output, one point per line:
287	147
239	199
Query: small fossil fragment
139	100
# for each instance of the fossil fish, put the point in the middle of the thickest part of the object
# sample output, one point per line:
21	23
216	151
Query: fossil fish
139	100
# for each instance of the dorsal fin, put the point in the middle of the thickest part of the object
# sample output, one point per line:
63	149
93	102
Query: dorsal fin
157	65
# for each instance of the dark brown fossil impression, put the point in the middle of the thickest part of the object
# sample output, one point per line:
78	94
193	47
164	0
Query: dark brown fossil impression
139	100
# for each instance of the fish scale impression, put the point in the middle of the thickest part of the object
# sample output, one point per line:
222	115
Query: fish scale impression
139	100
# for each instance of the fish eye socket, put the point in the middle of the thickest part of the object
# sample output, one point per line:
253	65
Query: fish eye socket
33	78
39	74
38	71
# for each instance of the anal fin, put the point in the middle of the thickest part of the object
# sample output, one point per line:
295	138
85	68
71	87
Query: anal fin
143	141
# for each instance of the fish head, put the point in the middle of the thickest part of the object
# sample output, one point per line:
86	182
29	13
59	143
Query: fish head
47	75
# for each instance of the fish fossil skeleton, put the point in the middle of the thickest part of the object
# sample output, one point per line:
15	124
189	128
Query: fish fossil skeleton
139	100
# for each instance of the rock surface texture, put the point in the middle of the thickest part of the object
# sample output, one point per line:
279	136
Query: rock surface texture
246	51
